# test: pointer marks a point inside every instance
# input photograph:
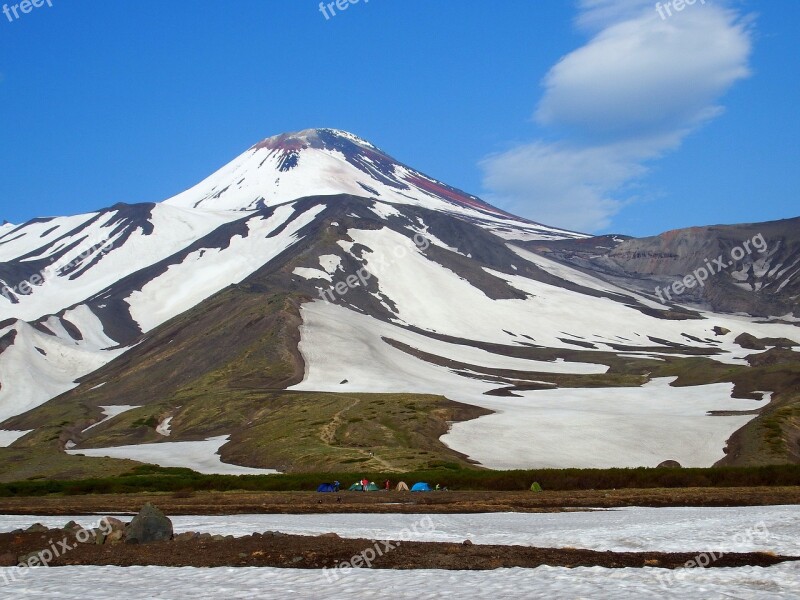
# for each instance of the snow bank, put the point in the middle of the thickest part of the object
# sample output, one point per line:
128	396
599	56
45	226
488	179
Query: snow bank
146	583
201	456
633	529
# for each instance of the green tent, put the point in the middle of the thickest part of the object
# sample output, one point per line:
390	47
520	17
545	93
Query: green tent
535	487
372	487
356	487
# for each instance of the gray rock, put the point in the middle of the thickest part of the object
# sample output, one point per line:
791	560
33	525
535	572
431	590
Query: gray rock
669	464
36	528
150	525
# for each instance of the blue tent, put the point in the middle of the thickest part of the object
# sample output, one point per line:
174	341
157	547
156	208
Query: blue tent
421	487
326	487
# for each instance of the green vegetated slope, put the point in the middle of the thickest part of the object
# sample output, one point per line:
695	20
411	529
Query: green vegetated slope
222	370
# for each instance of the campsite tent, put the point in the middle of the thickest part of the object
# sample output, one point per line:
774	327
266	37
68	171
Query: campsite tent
402	487
372	487
356	487
421	487
326	487
535	487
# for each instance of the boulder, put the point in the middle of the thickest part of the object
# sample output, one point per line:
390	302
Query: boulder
669	464
36	528
150	525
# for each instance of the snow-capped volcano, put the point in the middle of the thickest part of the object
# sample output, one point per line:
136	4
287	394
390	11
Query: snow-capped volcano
314	263
323	162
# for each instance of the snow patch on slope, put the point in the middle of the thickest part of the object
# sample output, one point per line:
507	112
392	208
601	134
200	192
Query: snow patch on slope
110	412
331	336
596	427
173	229
9	437
202	456
604	427
206	271
38	366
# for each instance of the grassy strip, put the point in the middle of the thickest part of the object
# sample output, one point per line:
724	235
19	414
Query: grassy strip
156	479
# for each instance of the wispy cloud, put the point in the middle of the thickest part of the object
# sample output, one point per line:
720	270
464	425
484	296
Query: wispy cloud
629	95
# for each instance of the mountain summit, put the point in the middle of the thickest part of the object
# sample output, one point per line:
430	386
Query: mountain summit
322	162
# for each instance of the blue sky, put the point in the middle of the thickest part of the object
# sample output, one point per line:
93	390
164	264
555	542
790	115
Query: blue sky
594	115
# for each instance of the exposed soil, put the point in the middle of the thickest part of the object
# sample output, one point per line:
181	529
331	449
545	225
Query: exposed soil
274	549
222	503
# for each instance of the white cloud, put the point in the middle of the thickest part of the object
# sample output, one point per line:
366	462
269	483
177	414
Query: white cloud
632	93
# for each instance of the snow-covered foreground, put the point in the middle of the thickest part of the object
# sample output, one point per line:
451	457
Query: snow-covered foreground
201	456
148	583
681	529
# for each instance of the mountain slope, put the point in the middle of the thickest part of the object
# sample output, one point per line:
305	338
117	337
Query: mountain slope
315	268
752	268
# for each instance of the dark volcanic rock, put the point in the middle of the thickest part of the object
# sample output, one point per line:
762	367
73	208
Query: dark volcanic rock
150	525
